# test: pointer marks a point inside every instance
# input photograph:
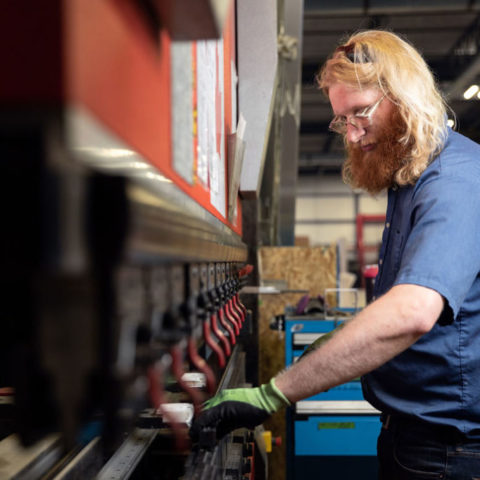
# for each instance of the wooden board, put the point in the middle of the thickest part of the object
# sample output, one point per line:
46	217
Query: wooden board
296	268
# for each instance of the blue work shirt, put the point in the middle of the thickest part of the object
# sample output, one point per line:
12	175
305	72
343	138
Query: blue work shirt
432	238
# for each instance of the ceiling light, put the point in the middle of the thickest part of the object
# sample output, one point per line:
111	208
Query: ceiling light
470	92
450	123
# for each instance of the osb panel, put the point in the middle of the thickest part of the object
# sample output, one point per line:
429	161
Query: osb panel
312	269
272	342
299	268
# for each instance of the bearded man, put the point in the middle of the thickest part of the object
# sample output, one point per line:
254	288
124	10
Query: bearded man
417	345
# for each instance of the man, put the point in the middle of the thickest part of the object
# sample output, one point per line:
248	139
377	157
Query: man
417	345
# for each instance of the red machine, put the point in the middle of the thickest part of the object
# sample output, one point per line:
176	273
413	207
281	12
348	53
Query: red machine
122	257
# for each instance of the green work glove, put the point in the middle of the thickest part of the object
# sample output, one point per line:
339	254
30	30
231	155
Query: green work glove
239	407
321	340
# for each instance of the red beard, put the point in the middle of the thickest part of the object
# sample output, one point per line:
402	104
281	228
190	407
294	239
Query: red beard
375	170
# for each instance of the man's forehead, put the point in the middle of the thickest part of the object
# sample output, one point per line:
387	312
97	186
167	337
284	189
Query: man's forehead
344	98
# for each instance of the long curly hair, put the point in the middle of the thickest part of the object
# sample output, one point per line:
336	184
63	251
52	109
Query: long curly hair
381	59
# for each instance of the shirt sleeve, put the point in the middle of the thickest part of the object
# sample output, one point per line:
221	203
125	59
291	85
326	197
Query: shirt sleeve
442	251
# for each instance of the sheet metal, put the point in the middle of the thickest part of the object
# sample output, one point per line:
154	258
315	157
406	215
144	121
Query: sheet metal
335	407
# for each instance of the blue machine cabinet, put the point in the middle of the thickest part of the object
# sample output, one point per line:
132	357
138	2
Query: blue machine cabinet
332	435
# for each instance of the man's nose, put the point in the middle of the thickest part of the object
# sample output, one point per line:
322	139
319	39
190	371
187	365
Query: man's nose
354	133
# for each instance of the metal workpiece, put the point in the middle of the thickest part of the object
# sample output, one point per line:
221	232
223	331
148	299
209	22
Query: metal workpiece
234	375
123	463
335	407
84	462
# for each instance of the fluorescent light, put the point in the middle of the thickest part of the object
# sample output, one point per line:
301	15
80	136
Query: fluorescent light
470	92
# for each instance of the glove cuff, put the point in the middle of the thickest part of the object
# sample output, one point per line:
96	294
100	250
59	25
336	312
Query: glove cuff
274	396
285	401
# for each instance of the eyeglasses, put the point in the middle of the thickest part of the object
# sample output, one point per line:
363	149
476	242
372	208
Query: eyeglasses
361	119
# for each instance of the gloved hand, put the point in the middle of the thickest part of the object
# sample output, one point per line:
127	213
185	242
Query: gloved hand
239	407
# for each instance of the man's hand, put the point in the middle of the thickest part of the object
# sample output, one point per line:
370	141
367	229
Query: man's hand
239	407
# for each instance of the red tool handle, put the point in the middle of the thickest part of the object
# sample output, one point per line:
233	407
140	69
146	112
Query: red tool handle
177	370
233	316
221	317
220	335
213	345
200	364
242	307
246	270
237	308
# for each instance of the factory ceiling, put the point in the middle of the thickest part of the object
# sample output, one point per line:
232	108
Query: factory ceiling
446	32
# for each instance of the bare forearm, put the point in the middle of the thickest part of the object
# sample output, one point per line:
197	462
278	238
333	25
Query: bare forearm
374	336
